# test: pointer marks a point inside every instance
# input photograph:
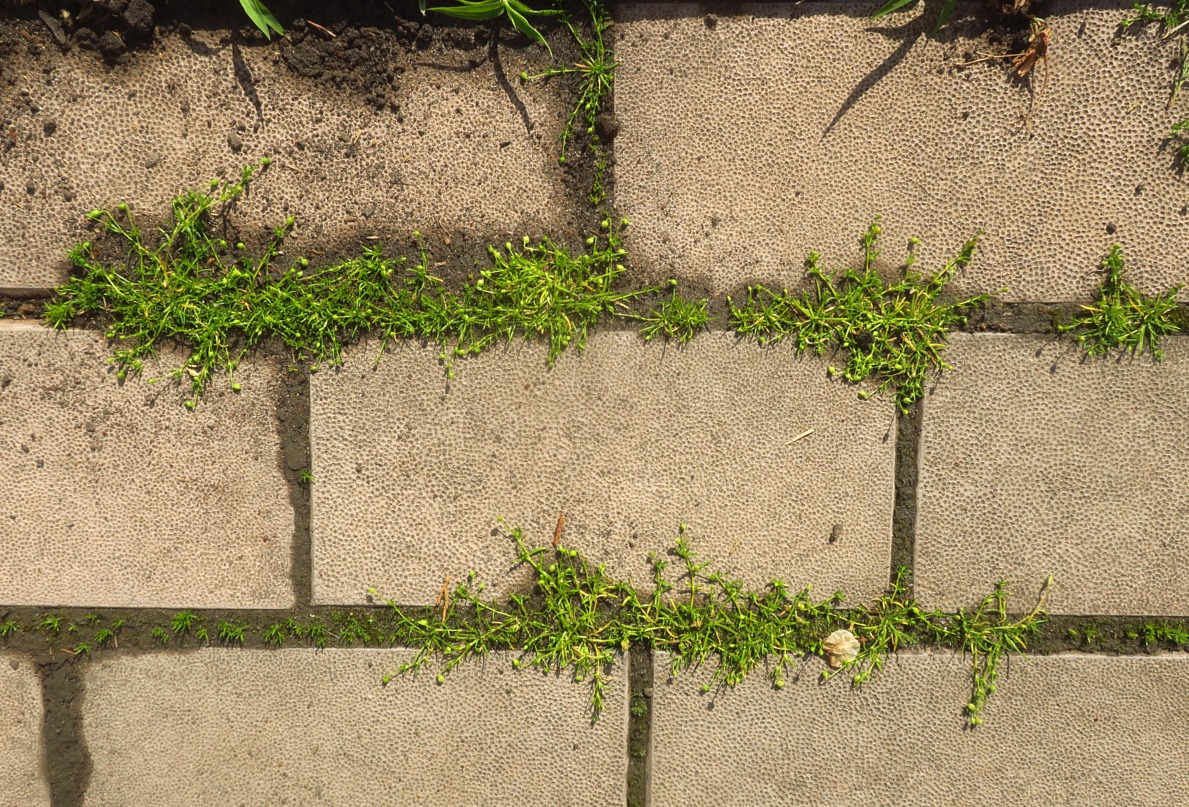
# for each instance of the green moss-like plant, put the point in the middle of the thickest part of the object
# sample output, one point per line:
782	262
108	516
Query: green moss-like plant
1121	317
578	618
893	332
185	283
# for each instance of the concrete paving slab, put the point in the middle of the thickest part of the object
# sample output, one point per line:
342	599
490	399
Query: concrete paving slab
316	727
457	154
116	495
628	440
22	777
1036	462
749	139
1060	730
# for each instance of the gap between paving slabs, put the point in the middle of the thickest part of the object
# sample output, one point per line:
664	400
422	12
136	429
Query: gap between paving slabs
579	620
576	618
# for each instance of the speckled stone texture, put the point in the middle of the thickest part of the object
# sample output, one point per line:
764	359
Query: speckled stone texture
316	727
1072	729
1034	461
752	138
116	495
22	780
459	157
628	440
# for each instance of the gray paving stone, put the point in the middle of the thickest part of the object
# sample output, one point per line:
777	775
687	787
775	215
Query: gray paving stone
316	727
751	139
22	777
1076	729
116	495
628	440
457	157
1034	462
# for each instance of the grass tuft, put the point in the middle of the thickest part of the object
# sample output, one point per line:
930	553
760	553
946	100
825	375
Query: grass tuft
677	318
1121	317
892	332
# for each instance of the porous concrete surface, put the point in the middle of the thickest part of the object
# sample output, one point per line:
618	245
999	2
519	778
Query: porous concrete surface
1035	462
317	727
22	777
116	495
1069	729
749	139
458	158
628	441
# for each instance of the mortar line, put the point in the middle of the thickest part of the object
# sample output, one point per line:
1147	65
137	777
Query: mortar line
65	758
293	418
639	735
907	472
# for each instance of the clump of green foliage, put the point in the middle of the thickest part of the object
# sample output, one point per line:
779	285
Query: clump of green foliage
189	285
1179	138
1168	18
596	71
676	318
1163	633
579	618
1121	317
894	332
516	12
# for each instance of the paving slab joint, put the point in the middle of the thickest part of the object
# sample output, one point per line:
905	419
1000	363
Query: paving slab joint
293	417
640	678
66	757
904	512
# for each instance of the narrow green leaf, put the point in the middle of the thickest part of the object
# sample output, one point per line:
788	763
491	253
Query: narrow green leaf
261	17
947	10
525	27
474	11
889	7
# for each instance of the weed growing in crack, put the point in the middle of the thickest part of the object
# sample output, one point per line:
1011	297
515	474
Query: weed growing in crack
596	72
893	332
1121	317
1179	140
51	625
677	318
231	632
894	621
184	622
275	635
161	635
580	619
987	636
1163	633
105	635
189	286
1169	18
8	628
